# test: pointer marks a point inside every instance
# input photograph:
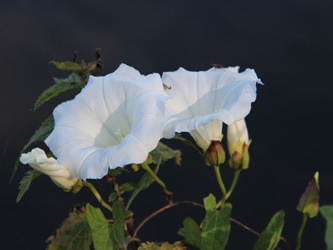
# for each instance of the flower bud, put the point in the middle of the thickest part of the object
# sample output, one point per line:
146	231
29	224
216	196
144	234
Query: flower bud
59	174
214	155
309	201
238	144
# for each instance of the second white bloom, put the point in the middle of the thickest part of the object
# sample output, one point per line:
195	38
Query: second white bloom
202	101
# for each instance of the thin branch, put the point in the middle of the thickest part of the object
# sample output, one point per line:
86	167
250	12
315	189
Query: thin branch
164	208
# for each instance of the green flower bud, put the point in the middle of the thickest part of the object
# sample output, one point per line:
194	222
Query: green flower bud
309	201
214	155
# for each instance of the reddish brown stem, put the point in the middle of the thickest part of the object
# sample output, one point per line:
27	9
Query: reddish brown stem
164	208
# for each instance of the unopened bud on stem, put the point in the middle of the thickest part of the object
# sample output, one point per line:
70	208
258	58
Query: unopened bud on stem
59	174
215	154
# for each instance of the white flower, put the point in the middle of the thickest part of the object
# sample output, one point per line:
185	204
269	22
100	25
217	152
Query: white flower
59	174
116	120
202	100
237	135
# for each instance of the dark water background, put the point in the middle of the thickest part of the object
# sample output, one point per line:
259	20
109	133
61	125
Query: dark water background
288	43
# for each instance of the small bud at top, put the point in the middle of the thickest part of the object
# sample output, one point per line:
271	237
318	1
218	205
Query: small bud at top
214	155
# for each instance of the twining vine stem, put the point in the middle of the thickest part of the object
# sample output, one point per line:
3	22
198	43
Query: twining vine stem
221	184
97	195
234	183
164	208
201	206
158	180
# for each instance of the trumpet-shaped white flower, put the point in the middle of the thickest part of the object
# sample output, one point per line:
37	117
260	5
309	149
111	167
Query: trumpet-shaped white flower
116	120
59	174
202	100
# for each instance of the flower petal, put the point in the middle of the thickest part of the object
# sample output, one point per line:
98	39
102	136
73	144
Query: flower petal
115	120
199	98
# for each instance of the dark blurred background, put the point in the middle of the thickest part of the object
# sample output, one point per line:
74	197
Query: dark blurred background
288	43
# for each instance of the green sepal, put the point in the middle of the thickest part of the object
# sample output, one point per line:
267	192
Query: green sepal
162	153
76	187
327	212
270	237
40	135
241	160
192	232
100	229
216	225
309	201
26	181
73	82
214	155
73	234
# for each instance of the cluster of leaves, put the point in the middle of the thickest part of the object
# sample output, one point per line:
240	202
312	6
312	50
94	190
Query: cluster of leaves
88	224
215	229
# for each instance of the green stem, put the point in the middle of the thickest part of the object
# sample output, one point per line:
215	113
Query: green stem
300	231
158	180
97	195
219	180
234	183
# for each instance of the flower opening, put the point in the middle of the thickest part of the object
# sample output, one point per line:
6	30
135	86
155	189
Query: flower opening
116	120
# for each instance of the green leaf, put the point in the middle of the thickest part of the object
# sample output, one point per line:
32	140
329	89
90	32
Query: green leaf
40	135
164	246
116	171
68	65
165	153
192	232
216	225
73	82
118	222
309	201
144	183
327	212
127	187
113	197
100	228
26	181
74	233
270	237
186	142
